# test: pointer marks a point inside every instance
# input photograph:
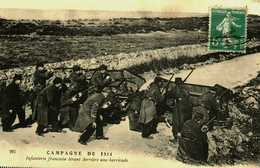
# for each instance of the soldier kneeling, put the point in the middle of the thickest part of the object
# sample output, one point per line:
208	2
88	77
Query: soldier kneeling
193	146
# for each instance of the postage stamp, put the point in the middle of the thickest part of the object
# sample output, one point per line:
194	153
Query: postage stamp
228	30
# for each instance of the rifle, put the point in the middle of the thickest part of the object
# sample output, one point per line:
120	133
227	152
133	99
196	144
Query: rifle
166	88
87	91
79	98
134	74
121	81
168	84
188	75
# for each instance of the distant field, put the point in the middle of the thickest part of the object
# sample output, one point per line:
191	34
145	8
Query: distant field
26	50
24	42
100	27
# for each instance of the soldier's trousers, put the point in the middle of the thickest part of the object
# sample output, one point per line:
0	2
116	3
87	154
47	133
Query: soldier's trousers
133	121
9	118
178	122
53	119
68	117
155	124
73	117
89	131
40	129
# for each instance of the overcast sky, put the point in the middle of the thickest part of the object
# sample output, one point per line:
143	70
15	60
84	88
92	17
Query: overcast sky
201	6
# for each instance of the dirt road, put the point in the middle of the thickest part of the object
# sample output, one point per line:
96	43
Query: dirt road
229	73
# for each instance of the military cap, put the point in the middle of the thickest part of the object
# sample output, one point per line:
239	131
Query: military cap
39	64
157	79
103	67
57	80
18	77
178	80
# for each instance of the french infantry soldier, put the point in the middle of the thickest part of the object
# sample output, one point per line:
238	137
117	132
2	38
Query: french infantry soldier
40	77
147	117
47	107
90	119
70	104
2	90
76	75
101	78
182	110
13	104
156	91
133	110
193	145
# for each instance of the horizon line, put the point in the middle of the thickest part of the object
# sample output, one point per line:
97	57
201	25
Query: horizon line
17	14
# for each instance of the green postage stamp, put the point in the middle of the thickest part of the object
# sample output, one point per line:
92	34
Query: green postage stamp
228	30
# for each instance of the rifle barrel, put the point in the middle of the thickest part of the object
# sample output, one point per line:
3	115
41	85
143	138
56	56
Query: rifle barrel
188	76
168	83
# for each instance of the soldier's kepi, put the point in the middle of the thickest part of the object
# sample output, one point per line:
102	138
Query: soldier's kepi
40	76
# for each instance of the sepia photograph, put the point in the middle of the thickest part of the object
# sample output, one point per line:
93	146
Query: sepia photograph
130	83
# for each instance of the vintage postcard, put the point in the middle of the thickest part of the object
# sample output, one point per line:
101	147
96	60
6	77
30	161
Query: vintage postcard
130	83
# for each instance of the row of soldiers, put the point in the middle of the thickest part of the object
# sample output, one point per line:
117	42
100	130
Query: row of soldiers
74	103
59	104
191	117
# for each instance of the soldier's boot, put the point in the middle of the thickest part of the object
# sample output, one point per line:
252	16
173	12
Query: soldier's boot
89	131
147	131
21	117
99	129
154	127
55	128
29	121
100	133
6	124
6	127
82	142
40	130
